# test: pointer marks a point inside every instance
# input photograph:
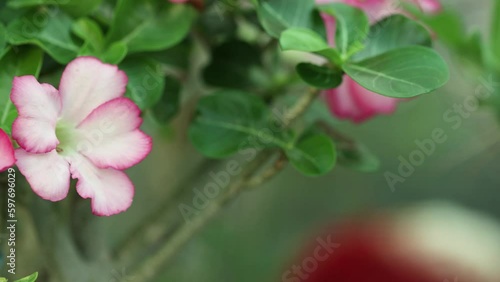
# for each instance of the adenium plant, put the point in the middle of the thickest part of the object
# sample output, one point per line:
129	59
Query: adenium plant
87	88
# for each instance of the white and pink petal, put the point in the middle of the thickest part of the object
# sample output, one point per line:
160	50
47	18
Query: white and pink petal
113	139
39	106
48	174
111	191
87	83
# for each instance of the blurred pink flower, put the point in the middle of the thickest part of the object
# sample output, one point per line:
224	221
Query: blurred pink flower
86	130
432	242
351	101
7	158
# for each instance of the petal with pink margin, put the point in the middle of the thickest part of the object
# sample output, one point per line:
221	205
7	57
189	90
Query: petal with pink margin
47	174
86	83
351	101
7	158
39	106
114	140
111	191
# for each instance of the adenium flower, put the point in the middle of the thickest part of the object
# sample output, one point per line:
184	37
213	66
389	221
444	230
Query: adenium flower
7	158
351	101
86	130
432	242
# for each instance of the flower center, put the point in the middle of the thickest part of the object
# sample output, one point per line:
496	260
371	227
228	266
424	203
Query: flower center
67	136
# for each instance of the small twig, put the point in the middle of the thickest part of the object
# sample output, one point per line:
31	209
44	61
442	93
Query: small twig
300	107
268	174
141	236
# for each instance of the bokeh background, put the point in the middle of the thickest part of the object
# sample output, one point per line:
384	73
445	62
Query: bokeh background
256	237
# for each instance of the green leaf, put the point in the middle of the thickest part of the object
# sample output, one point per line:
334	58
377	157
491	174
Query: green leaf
229	121
177	56
22	61
391	33
495	32
232	64
313	156
150	25
76	8
146	82
352	27
115	53
302	39
91	33
169	104
278	15
306	40
401	73
3	40
52	35
448	25
318	76
31	278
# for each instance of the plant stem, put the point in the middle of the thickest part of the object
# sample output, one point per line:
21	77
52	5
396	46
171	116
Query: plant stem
300	107
156	222
149	267
268	174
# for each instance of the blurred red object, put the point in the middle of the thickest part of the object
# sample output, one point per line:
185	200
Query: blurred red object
432	243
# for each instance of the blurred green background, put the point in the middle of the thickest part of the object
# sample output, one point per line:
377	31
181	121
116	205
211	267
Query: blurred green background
258	236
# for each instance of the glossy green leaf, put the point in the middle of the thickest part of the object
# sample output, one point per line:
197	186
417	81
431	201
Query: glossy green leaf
32	278
169	104
229	121
401	73
232	64
17	62
90	32
314	155
352	27
52	35
115	53
391	33
306	40
150	25
318	76
302	39
279	15
146	81
76	8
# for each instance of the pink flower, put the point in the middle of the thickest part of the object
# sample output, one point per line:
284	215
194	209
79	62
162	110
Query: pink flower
86	130
7	158
350	100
